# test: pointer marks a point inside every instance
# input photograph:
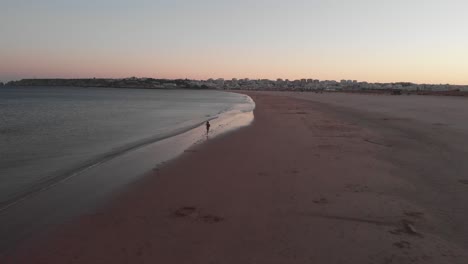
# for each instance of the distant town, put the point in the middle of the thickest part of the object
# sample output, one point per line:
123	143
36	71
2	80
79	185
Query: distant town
304	85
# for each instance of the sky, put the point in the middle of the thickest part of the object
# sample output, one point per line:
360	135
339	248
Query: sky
422	41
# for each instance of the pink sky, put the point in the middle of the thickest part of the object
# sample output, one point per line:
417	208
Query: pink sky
376	41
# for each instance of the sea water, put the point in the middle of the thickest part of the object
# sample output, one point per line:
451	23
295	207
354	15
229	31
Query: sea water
49	133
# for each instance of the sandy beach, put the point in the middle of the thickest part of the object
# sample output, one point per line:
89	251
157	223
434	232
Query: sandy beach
315	179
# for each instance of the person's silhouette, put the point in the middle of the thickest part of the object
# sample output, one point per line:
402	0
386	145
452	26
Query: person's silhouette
207	127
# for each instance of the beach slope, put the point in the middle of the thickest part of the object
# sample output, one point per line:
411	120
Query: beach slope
302	184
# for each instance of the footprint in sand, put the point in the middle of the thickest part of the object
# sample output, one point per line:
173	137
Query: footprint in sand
194	213
212	218
406	228
402	244
414	214
321	201
463	181
184	211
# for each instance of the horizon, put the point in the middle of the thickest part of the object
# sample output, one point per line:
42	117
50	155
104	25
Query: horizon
239	79
420	42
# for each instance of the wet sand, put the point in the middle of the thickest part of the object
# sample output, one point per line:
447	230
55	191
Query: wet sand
312	180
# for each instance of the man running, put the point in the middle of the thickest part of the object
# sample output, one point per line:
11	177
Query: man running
207	127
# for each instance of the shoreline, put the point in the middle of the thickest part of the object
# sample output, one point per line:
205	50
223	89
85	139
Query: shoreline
33	212
116	152
303	183
50	134
90	164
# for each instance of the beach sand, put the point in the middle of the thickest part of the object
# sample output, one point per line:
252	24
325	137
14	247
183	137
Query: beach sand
307	182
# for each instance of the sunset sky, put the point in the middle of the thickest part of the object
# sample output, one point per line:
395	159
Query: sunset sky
423	41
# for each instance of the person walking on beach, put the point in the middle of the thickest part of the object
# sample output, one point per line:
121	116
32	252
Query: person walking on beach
207	127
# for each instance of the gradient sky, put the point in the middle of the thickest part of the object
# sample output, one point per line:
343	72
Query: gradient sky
424	41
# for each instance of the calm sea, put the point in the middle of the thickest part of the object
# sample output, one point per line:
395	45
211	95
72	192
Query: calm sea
47	133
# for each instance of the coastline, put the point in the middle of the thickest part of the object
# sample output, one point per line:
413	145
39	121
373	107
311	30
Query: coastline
223	122
303	184
51	133
95	183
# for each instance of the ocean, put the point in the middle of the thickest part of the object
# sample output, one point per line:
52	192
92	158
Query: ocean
50	133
